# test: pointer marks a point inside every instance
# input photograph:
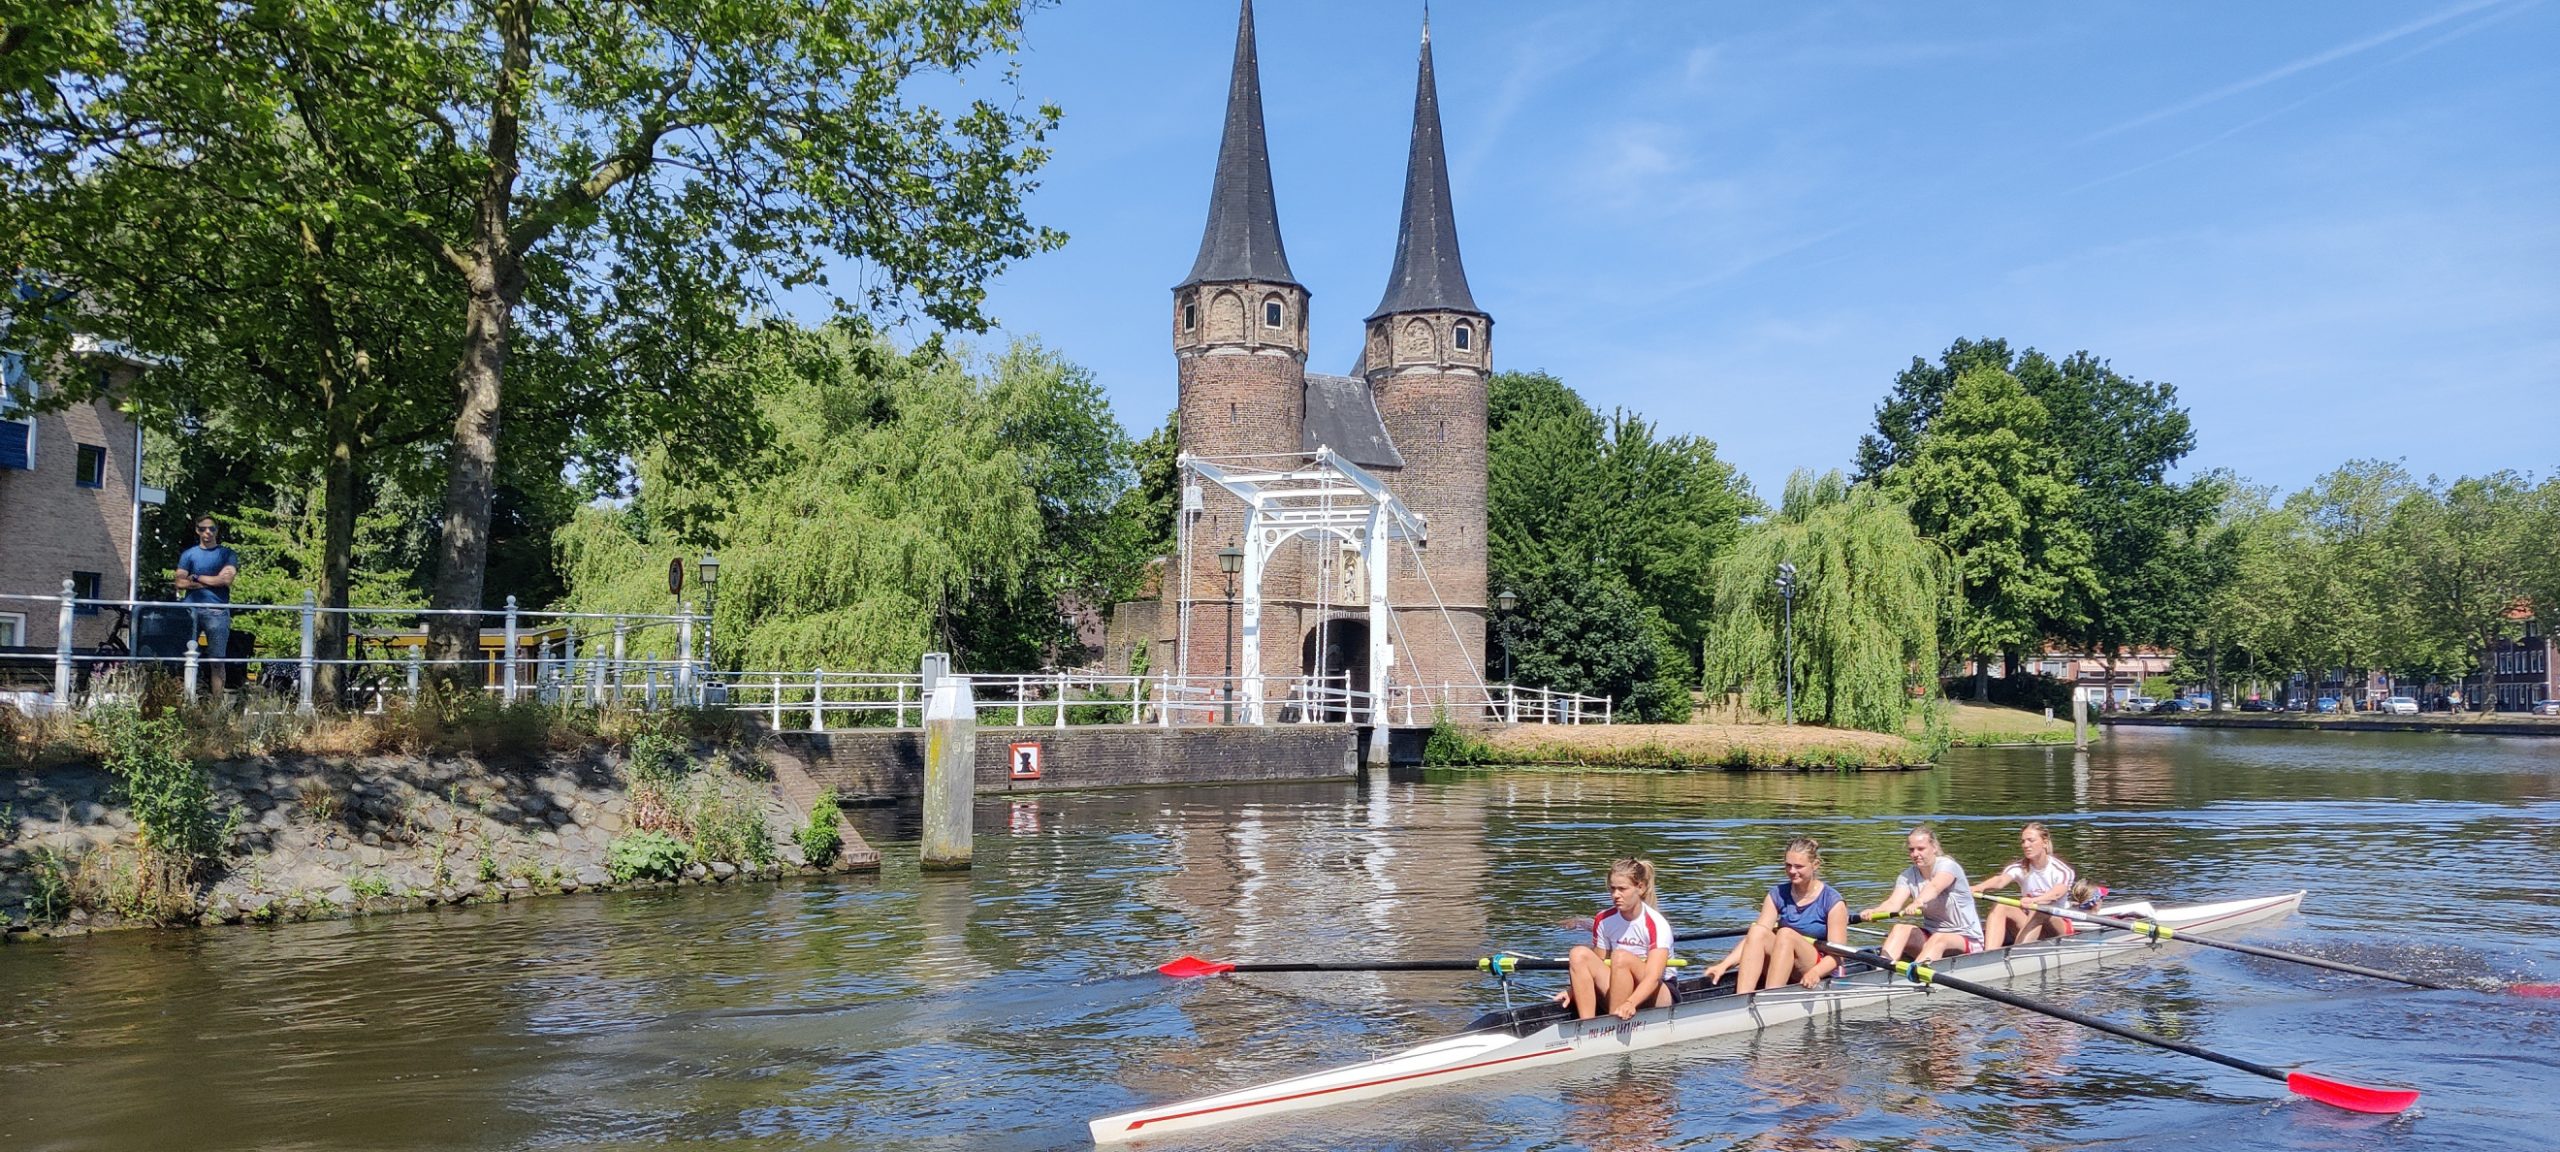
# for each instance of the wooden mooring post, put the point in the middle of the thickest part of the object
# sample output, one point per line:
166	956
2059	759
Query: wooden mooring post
950	773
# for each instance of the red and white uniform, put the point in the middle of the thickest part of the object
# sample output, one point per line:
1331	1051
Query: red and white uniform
1612	933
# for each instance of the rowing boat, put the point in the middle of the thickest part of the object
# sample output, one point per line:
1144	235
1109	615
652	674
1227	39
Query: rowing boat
1545	1034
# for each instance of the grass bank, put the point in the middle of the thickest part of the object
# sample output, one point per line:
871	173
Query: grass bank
1972	725
1733	747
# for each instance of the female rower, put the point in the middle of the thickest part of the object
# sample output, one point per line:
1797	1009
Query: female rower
1935	884
2042	878
1797	912
1625	966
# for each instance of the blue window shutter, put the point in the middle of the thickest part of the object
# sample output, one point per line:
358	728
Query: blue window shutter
13	445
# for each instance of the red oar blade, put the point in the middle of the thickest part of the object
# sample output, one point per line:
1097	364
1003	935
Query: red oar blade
2546	991
1190	966
2352	1097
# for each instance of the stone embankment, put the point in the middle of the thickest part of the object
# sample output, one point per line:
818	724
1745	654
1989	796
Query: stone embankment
314	837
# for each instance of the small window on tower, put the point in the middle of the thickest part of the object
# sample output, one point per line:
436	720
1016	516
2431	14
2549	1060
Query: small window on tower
1465	338
1231	414
1271	314
1190	316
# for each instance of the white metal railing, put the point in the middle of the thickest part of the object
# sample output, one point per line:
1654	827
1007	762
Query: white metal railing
626	659
589	657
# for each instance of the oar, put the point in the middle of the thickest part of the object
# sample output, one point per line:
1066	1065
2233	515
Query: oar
1745	930
2335	1093
1190	966
2159	932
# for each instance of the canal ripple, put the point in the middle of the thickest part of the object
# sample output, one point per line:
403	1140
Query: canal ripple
1003	1009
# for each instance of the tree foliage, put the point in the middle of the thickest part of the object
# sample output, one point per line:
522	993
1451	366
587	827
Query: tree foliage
902	504
1602	512
612	184
1985	483
1865	627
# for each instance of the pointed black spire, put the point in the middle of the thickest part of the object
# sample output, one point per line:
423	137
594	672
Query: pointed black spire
1242	241
1428	275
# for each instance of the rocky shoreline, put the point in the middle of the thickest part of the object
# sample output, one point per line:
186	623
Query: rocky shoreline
316	837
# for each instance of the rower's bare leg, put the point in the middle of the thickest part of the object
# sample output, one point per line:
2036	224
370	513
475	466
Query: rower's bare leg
1755	956
1995	927
1806	954
2036	926
1587	973
1897	943
1782	958
1622	980
1940	944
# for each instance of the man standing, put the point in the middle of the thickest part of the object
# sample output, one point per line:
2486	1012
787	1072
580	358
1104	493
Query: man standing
204	574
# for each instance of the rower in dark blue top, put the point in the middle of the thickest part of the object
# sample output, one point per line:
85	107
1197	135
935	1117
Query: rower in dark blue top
1792	916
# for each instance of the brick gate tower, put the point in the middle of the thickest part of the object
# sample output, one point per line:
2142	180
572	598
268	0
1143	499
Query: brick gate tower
1412	413
1240	338
1426	356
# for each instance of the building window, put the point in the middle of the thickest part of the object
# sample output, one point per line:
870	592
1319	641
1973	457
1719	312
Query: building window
91	472
86	586
1271	314
13	629
1191	316
1465	337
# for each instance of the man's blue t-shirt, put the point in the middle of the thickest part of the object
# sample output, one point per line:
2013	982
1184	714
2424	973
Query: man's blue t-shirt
201	562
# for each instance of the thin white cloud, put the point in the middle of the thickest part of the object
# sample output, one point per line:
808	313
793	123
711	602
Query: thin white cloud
2304	64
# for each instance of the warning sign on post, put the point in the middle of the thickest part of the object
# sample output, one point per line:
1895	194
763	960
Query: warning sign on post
1026	761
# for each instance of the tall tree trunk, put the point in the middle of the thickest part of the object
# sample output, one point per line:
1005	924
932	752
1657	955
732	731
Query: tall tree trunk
471	474
337	546
1981	678
495	278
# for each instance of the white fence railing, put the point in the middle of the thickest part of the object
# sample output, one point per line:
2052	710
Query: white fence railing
649	661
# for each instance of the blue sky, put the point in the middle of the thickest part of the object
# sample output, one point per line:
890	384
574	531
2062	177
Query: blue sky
2334	226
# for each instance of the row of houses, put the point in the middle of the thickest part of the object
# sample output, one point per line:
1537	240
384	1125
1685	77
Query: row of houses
2516	673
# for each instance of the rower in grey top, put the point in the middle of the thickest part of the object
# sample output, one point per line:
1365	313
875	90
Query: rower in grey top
1934	883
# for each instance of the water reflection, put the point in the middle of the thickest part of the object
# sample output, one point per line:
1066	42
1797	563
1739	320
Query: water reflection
1004	1007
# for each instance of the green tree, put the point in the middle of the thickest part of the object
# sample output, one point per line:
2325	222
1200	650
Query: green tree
1870	594
2347	574
1986	485
1590	506
619	181
2468	550
901	504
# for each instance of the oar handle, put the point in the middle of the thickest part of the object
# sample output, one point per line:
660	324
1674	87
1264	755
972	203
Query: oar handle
2164	932
1923	974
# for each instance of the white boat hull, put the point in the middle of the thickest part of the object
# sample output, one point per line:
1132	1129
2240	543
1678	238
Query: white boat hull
1501	1049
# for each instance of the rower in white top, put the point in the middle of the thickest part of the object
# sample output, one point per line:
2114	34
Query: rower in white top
2042	878
1936	884
1623	969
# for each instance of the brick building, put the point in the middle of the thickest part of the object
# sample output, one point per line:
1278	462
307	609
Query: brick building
1412	412
67	509
2516	672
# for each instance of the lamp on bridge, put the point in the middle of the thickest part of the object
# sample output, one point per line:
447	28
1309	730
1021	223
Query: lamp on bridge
1504	601
1231	561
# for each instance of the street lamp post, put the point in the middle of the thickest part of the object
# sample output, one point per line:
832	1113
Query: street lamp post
1230	561
1787	595
709	566
1505	601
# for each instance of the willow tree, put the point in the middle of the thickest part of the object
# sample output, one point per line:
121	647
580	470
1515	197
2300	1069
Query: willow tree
1869	596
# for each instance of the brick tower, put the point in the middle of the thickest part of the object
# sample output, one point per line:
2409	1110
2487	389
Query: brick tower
1426	356
1240	339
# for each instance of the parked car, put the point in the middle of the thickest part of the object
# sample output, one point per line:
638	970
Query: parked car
2298	704
2401	706
2173	704
2325	704
2200	702
2140	704
2254	704
2549	707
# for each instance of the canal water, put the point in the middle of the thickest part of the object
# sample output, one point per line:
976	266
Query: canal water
1004	1008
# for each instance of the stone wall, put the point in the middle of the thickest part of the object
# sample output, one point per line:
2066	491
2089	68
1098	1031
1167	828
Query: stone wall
319	837
889	762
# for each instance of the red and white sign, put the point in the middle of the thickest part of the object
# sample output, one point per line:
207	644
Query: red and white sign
1025	761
